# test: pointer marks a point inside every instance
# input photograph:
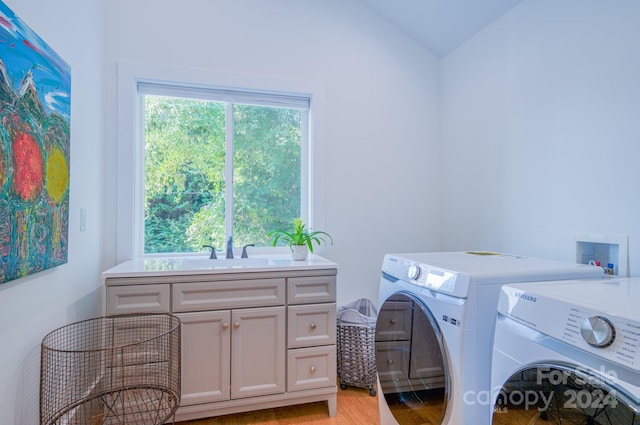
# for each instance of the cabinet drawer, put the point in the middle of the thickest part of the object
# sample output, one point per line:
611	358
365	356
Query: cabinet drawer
311	368
308	290
138	299
310	325
200	296
392	360
394	321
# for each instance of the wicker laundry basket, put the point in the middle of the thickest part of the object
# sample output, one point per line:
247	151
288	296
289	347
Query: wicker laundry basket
356	332
111	370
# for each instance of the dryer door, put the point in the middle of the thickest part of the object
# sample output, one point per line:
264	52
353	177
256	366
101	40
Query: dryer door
411	361
561	394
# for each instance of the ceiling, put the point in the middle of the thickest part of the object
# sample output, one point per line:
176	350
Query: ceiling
440	25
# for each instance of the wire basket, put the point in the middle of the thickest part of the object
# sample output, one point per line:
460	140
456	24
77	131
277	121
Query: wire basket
111	370
356	334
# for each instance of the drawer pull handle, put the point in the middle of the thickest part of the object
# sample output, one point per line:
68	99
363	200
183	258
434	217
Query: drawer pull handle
225	325
312	326
312	369
392	321
236	325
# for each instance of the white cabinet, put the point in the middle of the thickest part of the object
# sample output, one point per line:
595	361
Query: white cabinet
311	333
313	367
209	373
311	325
249	340
206	372
257	344
139	299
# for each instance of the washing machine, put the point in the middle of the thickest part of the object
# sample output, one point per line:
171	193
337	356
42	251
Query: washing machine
434	331
567	352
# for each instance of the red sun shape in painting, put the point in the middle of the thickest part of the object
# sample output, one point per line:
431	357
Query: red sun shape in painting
28	166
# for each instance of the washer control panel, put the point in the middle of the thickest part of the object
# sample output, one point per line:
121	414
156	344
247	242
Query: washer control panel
610	335
436	279
426	276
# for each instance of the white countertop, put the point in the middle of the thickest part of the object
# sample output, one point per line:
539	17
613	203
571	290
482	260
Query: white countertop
171	266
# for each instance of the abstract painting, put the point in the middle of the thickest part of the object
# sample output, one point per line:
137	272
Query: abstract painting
35	109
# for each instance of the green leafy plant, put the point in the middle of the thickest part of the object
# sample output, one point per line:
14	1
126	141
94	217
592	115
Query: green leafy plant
299	235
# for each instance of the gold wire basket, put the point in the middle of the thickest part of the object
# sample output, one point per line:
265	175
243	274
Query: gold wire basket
121	370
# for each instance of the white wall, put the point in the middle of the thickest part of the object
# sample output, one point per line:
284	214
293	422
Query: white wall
33	306
381	108
540	129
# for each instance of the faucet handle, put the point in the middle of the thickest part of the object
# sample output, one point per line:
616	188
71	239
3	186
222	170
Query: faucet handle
244	251
230	247
213	252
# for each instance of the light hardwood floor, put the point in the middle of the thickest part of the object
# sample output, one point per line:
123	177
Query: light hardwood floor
355	407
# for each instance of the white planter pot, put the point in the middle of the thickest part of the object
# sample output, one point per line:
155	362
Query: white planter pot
299	252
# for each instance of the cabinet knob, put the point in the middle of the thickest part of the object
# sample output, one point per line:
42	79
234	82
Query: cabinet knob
225	325
312	326
392	321
312	369
236	325
389	362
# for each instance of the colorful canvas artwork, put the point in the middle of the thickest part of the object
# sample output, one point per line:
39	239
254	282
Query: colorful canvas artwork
35	109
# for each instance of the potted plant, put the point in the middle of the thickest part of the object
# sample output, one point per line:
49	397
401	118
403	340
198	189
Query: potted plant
300	239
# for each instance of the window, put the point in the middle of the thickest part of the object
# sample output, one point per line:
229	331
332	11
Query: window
215	168
209	161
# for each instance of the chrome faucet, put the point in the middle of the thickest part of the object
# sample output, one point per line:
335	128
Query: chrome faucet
230	247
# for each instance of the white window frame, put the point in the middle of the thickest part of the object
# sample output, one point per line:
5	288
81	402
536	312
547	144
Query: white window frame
130	148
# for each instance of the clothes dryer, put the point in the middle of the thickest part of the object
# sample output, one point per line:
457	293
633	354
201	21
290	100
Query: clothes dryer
568	353
435	328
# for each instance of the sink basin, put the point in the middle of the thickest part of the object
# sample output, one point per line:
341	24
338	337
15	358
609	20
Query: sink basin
224	263
197	265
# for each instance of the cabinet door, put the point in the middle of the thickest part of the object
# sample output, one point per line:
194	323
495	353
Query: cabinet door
258	347
206	355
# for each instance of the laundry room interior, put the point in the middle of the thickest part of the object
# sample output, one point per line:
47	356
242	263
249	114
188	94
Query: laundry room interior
520	138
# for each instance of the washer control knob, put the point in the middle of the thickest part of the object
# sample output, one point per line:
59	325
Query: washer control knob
413	272
598	331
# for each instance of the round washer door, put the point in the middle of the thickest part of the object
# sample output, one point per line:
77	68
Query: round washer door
560	394
411	361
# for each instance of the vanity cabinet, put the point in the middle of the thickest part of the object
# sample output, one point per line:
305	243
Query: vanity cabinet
255	336
250	340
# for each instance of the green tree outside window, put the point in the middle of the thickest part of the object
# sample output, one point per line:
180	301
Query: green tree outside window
184	178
